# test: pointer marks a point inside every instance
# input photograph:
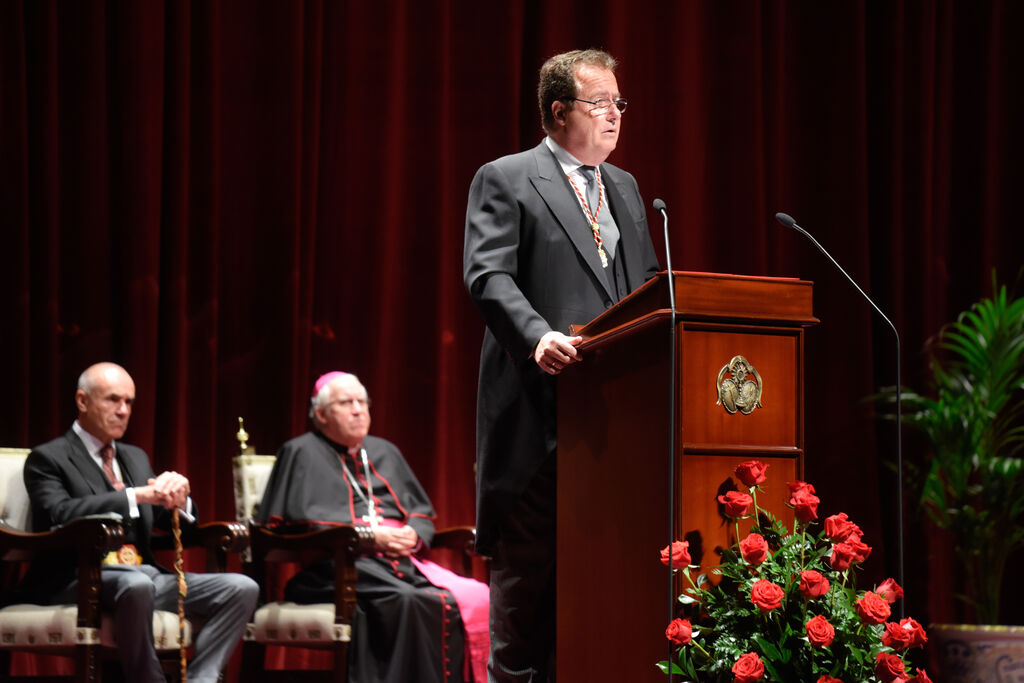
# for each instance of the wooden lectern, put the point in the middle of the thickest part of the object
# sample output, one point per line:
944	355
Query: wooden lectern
738	394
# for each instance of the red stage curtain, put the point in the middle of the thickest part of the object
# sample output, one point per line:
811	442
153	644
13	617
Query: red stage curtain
230	198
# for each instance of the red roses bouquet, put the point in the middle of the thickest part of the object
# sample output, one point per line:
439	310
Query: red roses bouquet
787	607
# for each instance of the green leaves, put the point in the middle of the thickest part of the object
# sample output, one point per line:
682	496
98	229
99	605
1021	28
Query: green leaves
771	652
972	482
756	615
735	626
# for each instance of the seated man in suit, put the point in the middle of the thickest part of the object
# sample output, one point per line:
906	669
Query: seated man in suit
416	622
87	471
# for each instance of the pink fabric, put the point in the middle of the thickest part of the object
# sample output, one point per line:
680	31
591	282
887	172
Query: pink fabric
473	599
324	379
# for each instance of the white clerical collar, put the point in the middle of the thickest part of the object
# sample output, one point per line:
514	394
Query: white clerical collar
567	161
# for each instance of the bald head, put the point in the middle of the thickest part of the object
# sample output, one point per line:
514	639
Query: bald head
104	399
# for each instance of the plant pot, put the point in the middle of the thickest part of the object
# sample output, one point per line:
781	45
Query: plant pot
963	653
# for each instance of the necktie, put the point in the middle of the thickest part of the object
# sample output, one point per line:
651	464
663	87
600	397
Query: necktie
593	191
107	453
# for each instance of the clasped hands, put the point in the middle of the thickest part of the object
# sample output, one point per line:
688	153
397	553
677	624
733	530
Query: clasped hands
395	541
170	489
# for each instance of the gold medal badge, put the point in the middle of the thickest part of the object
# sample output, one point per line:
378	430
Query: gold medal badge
126	554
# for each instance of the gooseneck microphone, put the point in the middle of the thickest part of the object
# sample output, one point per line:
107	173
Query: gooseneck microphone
659	206
788	221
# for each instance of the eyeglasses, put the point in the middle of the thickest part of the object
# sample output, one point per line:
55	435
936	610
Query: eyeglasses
347	403
602	105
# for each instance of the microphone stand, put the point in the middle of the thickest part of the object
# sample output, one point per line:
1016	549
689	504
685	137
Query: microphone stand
788	221
659	206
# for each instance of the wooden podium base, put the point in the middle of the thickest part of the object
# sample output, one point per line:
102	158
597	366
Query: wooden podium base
622	477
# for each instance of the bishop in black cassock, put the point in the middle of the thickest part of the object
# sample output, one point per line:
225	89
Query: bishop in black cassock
415	621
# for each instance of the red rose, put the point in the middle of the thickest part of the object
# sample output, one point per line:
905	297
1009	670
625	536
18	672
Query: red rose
754	549
679	631
680	554
751	472
861	551
812	584
820	632
803	501
838	528
829	679
748	668
872	609
889	667
890	590
806	511
917	635
921	677
896	637
766	595
735	503
841	558
844	554
799	487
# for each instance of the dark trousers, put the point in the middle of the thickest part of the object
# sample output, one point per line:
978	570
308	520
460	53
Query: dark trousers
224	602
405	630
523	587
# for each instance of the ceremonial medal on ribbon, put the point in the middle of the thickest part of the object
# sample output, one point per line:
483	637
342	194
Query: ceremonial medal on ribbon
126	554
592	216
600	244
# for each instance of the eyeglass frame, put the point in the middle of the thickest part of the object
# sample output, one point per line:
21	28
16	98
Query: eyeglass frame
347	403
597	107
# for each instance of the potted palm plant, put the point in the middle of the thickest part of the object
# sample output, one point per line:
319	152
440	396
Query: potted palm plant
972	482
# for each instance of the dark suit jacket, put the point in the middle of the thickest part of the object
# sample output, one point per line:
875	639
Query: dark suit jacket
63	484
531	266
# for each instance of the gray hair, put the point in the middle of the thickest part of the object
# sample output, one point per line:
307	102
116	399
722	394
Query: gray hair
558	79
319	399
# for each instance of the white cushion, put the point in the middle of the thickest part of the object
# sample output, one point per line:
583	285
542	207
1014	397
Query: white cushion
14	507
290	623
53	626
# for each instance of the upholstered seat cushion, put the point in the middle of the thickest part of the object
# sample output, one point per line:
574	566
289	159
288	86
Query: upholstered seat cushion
14	505
53	626
290	623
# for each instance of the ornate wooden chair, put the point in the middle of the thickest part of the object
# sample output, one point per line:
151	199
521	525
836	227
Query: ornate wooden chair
323	626
81	630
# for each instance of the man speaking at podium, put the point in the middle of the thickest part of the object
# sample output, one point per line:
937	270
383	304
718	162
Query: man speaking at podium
554	236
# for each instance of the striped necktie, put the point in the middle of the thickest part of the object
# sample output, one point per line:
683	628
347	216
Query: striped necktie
107	453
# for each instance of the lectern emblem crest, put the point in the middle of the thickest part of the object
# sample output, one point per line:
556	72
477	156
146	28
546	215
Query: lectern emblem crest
741	390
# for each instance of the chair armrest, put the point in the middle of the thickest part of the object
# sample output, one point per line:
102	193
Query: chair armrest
217	538
94	535
344	543
460	539
264	541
